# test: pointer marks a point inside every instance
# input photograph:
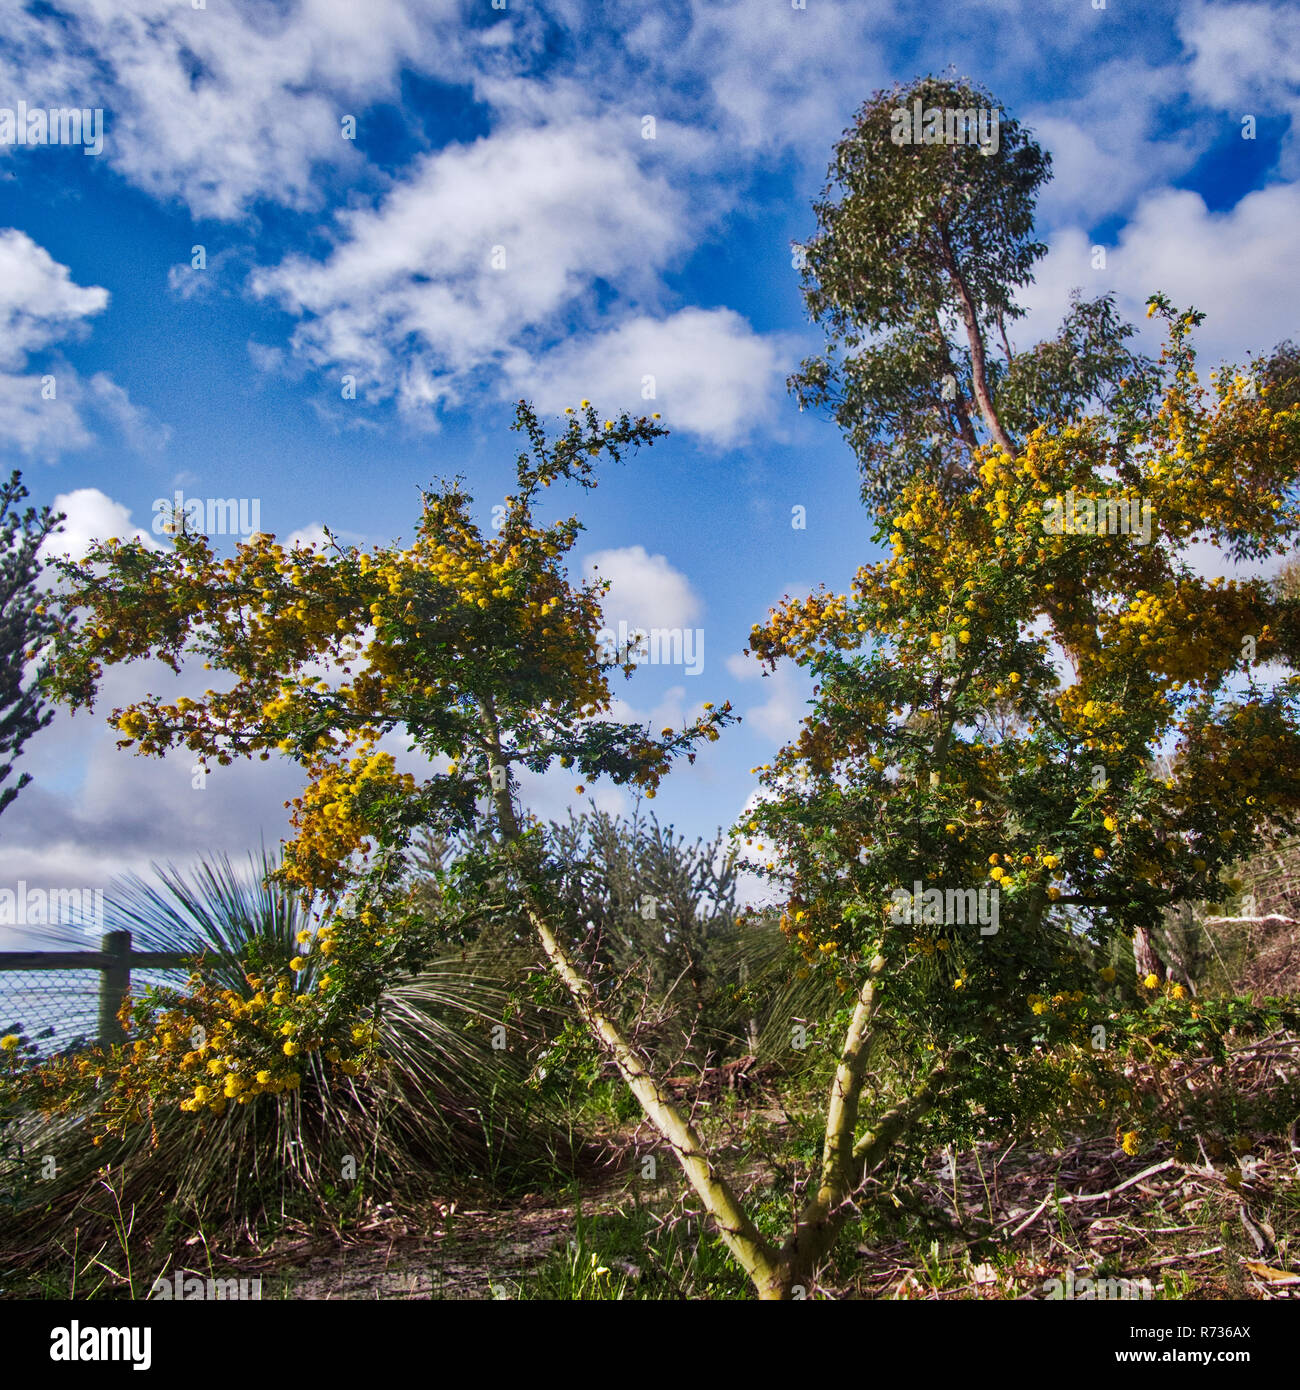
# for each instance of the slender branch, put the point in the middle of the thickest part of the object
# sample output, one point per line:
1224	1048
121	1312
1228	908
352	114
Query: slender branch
966	429
979	363
755	1255
1006	345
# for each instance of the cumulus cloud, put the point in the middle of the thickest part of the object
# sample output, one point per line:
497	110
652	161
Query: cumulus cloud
710	372
777	717
646	592
39	303
1246	59
234	104
1108	143
36	425
43	413
478	245
780	76
92	516
1236	265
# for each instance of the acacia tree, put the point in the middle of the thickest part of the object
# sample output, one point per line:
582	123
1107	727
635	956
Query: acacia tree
913	272
1047	807
481	651
476	647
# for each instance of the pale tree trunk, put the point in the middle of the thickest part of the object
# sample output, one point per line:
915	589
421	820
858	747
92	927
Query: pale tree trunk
754	1254
846	1160
978	358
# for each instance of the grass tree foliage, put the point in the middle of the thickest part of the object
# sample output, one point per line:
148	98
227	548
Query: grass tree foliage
941	746
447	1108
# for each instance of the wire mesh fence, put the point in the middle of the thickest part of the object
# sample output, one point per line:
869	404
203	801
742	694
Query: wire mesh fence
50	1010
56	1001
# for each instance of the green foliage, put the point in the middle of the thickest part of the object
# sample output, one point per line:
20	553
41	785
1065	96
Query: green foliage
24	626
913	273
1087	364
446	1107
913	240
652	916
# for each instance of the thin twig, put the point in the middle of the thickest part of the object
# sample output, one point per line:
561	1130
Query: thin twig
1088	1196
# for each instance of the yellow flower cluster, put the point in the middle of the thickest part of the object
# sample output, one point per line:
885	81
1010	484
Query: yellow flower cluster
1059	1003
330	817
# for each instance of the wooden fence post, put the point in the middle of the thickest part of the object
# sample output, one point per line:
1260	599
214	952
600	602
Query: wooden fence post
114	984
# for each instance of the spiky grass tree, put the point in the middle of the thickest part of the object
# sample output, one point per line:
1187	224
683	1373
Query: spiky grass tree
451	1110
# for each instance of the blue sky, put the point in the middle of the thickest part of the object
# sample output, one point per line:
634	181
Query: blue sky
502	227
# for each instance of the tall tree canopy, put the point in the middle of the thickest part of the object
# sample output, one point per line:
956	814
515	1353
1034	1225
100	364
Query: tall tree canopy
913	271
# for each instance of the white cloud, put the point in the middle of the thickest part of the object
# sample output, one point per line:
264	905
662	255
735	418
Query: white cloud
778	717
1241	51
39	303
312	535
1238	266
92	516
1246	59
38	427
712	374
479	245
1109	142
43	413
646	592
136	425
777	76
222	107
266	357
186	281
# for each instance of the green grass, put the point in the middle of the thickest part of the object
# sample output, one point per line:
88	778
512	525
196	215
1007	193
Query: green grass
634	1254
